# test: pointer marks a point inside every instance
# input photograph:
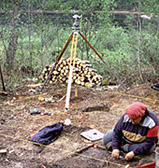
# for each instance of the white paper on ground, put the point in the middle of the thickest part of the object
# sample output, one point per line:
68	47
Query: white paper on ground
92	135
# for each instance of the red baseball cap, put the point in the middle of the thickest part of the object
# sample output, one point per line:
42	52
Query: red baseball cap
136	110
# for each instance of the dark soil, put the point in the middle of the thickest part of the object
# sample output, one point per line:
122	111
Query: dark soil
91	109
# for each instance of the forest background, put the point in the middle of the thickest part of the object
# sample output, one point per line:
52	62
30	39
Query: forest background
124	32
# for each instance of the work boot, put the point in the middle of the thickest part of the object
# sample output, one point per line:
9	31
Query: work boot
109	146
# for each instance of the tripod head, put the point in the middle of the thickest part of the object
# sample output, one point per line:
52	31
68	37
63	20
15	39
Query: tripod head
76	23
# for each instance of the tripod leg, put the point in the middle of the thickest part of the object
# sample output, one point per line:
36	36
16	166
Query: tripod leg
102	60
57	60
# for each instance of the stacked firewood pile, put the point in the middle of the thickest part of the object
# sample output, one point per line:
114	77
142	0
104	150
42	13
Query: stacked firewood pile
83	73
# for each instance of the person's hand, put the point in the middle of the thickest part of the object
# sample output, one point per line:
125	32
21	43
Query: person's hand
129	155
115	153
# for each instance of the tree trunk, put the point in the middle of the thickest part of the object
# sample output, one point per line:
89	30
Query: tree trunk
13	41
42	38
139	42
29	34
156	50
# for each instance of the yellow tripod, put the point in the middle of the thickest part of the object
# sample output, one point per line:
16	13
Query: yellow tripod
74	38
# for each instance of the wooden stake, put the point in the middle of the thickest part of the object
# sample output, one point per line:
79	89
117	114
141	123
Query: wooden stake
76	91
68	89
2	79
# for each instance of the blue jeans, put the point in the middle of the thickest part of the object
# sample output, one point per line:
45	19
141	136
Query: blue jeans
107	138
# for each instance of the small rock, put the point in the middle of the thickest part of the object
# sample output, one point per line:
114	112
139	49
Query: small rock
67	122
3	151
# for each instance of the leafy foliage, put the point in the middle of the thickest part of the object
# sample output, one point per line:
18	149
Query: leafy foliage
43	27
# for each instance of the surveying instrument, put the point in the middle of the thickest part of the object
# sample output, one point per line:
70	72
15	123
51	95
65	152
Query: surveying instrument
74	38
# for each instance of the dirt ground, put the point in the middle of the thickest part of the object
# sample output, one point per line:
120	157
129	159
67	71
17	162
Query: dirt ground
90	109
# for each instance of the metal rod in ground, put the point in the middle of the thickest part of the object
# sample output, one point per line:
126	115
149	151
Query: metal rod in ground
57	60
103	60
3	87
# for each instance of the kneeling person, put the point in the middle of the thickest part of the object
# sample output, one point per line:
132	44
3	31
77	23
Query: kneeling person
135	133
